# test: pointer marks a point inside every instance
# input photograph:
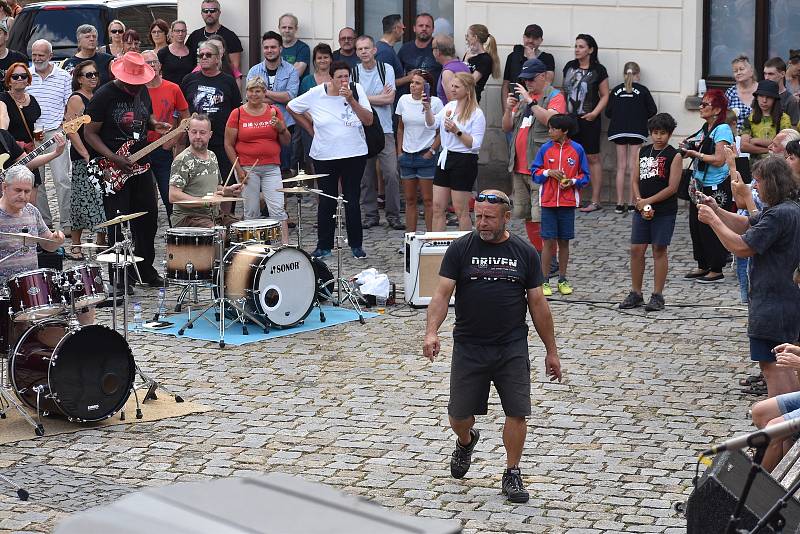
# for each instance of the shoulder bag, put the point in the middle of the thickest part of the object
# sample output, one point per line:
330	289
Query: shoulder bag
374	132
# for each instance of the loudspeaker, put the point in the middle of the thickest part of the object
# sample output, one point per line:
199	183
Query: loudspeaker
713	501
423	257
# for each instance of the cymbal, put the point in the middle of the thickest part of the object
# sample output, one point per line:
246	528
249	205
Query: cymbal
23	235
303	177
90	245
213	199
298	190
112	258
120	219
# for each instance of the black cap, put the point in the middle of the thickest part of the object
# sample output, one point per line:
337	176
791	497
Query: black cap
531	68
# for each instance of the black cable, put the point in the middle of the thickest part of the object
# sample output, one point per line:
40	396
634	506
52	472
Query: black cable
612	306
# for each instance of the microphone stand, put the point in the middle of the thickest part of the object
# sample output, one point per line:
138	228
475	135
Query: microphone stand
755	467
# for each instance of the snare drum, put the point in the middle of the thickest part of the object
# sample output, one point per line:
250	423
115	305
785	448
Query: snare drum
265	231
91	291
35	295
277	283
191	253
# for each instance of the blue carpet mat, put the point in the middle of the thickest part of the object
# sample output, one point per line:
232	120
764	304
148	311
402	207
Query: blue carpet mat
209	331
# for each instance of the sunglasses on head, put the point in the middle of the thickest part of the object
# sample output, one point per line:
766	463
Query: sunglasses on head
116	31
491	198
208	10
19	76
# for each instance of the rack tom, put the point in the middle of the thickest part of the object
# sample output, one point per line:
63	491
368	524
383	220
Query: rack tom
264	231
86	285
190	253
35	294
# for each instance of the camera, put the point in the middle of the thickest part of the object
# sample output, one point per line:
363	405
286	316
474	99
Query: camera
688	145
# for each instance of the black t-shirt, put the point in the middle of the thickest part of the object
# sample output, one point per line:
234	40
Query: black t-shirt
12	57
15	150
482	63
16	126
101	59
654	168
232	42
114	107
175	68
216	96
582	86
413	57
517	58
491	285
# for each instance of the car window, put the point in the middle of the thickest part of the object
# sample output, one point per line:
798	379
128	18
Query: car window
58	26
138	18
165	13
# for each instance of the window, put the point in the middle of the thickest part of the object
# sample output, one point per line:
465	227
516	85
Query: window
759	29
370	12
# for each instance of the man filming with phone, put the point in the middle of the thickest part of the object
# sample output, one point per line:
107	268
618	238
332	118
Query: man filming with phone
530	104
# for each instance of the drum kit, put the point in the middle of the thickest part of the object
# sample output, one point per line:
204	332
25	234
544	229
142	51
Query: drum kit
56	365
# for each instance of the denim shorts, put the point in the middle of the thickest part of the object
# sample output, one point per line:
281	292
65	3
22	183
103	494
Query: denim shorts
558	223
656	231
415	166
761	349
789	405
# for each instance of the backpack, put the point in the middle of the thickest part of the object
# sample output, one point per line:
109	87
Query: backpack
374	132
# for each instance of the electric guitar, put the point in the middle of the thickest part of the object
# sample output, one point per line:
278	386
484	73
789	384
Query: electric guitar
113	176
69	127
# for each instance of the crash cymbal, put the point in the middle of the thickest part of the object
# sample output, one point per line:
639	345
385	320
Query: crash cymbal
298	190
26	236
112	258
213	199
121	219
91	245
303	177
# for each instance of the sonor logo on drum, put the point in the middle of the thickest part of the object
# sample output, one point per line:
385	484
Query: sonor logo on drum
293	266
93	407
33	290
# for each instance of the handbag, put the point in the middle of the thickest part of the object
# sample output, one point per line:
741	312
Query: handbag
372	133
683	187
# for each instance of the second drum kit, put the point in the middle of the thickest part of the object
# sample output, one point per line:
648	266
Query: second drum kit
252	276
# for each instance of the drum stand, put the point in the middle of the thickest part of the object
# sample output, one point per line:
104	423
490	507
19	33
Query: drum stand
343	286
221	302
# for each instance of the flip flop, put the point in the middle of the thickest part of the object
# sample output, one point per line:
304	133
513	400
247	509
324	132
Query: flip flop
590	207
758	390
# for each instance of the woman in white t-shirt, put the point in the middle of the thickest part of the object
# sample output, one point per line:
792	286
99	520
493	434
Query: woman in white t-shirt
334	116
461	125
417	146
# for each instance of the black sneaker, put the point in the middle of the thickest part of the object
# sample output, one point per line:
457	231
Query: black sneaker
462	456
619	209
656	303
513	487
633	300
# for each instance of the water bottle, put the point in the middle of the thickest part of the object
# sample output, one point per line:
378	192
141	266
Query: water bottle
162	303
138	323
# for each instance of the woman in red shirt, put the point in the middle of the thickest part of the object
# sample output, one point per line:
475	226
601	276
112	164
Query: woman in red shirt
254	133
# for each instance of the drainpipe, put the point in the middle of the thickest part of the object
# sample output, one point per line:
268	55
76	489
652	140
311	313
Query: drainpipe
254	32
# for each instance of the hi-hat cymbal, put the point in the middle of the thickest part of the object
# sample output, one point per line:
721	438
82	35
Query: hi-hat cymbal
112	258
90	245
298	190
213	199
303	177
26	236
120	219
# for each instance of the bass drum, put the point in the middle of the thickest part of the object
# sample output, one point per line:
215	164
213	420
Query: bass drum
277	283
85	372
325	281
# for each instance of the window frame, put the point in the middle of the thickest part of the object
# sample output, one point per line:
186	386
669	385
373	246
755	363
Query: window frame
409	13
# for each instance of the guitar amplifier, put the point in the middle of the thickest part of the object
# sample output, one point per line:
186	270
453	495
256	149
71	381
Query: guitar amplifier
423	257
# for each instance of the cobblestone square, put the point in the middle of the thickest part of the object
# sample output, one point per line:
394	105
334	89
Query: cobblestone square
611	449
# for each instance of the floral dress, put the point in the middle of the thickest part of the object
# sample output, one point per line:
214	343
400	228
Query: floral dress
86	206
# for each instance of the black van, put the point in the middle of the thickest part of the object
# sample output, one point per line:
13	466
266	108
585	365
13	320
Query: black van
57	21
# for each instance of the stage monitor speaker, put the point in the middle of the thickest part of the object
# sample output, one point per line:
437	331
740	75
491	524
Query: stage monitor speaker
423	257
713	501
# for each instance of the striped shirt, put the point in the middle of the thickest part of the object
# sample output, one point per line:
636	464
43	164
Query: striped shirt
52	93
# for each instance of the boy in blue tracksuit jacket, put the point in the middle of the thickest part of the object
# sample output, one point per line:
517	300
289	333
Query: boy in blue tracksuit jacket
561	169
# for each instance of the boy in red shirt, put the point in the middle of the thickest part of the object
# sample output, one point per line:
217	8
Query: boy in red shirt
561	169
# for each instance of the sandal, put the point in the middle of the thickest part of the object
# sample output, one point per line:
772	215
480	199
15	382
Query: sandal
590	207
73	255
752	379
758	390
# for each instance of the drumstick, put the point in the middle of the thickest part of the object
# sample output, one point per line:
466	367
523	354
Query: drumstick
228	179
250	169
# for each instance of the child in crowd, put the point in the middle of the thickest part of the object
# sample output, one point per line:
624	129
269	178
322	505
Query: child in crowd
654	183
629	106
561	169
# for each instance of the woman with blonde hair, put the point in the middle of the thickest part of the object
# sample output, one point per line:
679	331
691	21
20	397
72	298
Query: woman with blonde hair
115	30
481	56
629	107
740	95
461	126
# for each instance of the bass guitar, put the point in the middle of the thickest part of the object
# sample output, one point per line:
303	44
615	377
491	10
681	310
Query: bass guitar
69	127
113	177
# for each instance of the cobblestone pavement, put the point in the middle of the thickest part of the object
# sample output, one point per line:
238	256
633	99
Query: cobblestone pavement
609	450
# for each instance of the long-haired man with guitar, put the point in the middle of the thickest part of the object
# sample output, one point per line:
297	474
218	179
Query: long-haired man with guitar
121	113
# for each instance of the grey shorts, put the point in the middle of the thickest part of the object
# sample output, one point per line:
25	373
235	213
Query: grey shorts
526	198
475	367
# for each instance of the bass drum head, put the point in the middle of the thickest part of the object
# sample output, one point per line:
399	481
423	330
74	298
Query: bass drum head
286	286
91	373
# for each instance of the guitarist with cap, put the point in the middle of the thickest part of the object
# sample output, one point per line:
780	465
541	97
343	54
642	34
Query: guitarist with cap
121	113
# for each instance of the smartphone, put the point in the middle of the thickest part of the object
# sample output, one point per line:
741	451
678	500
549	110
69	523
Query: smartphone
426	91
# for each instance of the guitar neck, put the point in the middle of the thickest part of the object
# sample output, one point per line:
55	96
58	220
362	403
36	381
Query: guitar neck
39	150
139	154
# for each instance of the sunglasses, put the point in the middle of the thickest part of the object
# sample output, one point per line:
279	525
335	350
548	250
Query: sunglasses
116	31
491	198
90	74
205	55
705	104
209	10
19	76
